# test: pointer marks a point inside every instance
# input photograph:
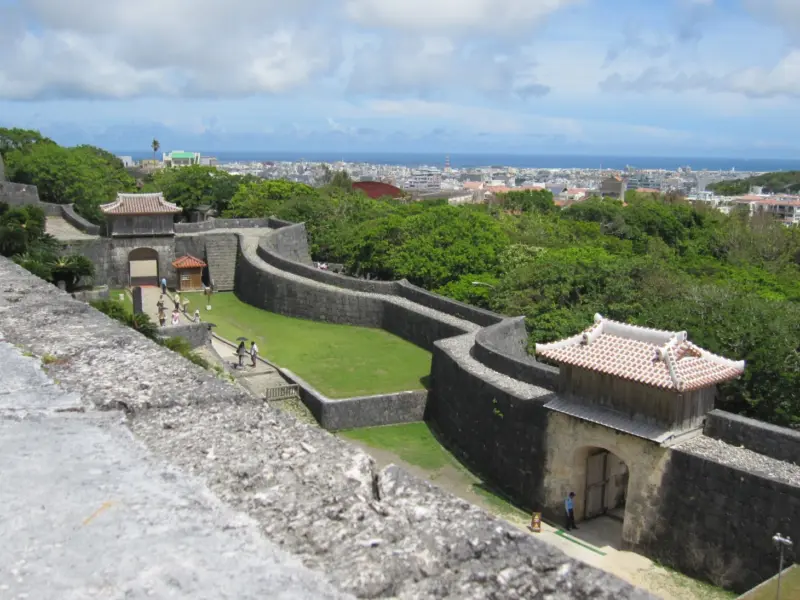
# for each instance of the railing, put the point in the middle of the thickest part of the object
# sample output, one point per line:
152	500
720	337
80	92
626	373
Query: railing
283	392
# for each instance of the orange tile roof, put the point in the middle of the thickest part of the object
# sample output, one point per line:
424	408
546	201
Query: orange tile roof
662	359
188	262
140	204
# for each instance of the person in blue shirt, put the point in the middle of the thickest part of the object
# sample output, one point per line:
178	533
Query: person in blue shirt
163	285
569	506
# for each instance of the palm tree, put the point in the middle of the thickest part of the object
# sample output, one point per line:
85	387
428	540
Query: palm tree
155	146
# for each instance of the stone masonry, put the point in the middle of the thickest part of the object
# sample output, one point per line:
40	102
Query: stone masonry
371	533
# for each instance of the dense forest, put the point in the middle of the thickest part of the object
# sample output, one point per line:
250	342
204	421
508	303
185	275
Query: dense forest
783	182
732	282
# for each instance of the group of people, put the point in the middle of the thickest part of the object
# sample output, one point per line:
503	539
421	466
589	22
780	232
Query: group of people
162	314
242	351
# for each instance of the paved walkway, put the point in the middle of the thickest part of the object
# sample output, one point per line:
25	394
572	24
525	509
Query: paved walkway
87	512
255	379
62	230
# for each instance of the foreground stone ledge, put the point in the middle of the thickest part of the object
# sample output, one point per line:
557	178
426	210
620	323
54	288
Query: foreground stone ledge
374	534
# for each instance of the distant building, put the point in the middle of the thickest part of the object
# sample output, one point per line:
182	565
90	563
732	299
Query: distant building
613	187
127	161
209	161
784	208
425	180
179	158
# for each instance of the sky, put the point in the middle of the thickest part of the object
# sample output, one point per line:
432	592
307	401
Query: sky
626	77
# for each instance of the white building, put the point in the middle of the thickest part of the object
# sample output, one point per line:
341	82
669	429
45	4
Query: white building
425	180
179	158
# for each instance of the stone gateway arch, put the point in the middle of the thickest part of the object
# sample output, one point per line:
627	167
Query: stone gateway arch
143	267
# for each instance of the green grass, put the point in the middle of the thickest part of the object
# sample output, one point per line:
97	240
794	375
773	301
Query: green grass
413	443
341	361
127	302
790	587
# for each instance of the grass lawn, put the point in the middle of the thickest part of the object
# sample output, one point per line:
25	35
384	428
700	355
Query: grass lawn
790	587
339	360
416	444
413	443
128	300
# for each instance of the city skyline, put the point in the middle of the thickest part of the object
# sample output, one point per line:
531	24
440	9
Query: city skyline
681	78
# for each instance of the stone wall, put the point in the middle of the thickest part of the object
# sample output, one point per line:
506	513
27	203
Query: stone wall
18	194
503	347
197	334
92	295
446	305
716	521
271	253
215	223
497	425
778	442
316	496
77	221
361	411
289	240
296	297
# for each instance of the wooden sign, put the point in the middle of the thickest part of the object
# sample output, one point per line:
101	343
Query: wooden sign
536	522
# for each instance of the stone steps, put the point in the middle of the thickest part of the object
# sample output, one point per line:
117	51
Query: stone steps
221	253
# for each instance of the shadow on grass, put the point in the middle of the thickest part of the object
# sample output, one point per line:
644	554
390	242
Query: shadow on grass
426	382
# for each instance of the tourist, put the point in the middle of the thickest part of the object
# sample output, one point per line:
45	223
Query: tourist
163	285
197	315
176	317
241	351
162	317
253	352
569	505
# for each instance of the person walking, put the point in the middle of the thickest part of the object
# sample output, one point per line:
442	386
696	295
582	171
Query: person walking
163	285
241	351
253	352
176	317
569	506
162	317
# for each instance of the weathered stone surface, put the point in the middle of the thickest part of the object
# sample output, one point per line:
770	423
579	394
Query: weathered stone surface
374	534
86	512
770	440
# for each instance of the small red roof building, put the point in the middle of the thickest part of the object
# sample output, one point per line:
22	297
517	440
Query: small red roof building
140	204
378	189
188	262
661	359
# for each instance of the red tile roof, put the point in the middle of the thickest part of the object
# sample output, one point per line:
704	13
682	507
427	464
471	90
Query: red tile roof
663	359
188	262
139	204
378	189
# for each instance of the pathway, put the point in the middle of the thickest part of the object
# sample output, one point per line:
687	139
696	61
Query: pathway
60	229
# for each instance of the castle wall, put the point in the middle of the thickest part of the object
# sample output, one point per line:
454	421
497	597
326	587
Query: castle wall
496	425
362	411
18	194
503	347
197	334
780	443
716	520
317	497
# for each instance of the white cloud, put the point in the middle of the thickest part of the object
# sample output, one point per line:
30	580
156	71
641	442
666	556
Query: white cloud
118	49
780	80
453	15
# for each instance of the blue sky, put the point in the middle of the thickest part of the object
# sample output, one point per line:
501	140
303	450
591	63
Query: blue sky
647	77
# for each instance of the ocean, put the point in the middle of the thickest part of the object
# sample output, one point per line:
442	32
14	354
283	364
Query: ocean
506	160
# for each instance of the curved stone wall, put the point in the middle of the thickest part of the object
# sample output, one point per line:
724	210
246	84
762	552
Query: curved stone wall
502	347
77	221
497	424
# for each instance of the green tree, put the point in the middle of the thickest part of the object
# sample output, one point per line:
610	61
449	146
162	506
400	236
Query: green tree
529	201
195	185
20	139
266	197
156	146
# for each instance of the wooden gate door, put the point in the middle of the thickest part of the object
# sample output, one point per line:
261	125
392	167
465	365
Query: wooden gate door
596	480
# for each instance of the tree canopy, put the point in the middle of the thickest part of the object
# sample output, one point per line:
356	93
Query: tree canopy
776	183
